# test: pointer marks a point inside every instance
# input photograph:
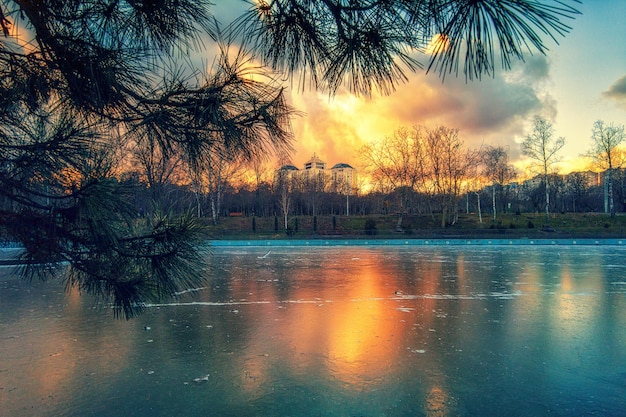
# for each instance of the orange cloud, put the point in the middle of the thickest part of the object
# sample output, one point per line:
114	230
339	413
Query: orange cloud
495	111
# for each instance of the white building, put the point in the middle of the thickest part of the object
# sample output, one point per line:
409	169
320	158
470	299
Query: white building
340	178
344	176
314	165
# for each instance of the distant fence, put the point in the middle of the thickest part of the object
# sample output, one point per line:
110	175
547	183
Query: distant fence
419	242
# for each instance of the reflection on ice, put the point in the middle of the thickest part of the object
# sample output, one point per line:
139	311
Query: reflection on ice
429	331
495	295
190	290
204	303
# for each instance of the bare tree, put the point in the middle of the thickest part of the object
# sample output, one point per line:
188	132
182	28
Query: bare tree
284	184
578	187
449	164
157	169
543	148
261	170
218	170
396	162
498	170
314	184
606	154
285	205
475	185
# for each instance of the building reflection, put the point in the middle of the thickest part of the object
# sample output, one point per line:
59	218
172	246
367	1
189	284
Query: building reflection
364	332
438	403
352	330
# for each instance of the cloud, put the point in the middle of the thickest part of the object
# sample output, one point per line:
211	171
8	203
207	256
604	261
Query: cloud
497	110
494	111
617	91
329	127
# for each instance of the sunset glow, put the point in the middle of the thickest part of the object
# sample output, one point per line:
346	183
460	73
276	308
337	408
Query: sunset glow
360	341
494	111
362	336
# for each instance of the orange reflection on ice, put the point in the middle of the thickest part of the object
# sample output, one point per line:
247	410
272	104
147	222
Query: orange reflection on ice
365	331
438	402
254	373
349	323
428	285
567	283
357	333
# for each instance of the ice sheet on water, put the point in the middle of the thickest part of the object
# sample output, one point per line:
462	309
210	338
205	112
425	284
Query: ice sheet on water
440	296
398	296
202	379
505	295
190	290
303	301
206	303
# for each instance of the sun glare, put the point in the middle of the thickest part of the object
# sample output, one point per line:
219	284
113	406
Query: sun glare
346	104
438	43
21	38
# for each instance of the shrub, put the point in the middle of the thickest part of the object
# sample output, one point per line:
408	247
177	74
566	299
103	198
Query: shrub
370	227
531	225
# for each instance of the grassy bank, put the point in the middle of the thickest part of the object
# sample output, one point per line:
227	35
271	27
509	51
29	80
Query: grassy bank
422	226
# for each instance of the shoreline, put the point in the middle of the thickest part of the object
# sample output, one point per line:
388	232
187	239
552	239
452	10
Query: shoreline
321	242
9	254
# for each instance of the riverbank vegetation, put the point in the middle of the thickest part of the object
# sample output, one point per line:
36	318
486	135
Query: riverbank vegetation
509	225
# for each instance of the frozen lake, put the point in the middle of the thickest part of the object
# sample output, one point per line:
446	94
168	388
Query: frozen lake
334	331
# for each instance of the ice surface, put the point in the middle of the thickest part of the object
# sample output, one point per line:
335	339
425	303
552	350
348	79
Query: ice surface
377	330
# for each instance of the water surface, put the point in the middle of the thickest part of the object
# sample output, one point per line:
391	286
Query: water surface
334	331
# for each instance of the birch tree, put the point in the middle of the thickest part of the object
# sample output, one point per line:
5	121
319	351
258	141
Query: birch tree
543	147
449	165
606	155
498	170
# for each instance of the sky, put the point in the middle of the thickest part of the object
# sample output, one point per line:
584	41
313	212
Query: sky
579	81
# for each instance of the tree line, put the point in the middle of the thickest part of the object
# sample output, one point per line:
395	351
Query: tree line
420	170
